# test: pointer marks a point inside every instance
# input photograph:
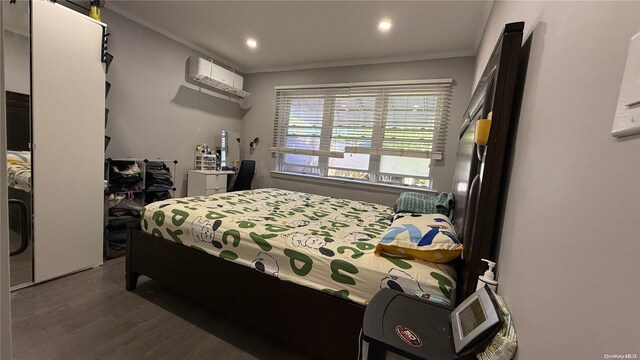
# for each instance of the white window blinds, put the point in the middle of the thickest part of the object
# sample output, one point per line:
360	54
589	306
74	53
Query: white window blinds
367	131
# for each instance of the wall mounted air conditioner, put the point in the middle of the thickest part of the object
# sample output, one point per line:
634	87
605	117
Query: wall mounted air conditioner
208	73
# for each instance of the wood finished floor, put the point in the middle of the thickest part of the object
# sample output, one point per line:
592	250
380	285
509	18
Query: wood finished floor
89	315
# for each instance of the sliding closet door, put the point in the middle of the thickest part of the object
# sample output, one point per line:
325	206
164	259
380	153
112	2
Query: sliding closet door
68	136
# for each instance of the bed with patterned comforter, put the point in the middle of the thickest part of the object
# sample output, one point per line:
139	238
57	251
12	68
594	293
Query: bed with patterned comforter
19	170
315	241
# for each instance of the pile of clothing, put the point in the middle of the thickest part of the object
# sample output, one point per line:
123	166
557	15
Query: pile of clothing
123	207
158	177
129	191
125	176
156	196
124	200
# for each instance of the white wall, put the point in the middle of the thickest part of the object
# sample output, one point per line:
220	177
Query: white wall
154	111
568	263
258	119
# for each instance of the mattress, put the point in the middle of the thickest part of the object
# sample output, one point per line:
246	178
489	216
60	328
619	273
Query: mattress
19	170
315	241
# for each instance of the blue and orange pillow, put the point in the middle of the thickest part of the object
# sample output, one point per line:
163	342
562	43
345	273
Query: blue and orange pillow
429	237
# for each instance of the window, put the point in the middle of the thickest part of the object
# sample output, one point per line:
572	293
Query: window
374	132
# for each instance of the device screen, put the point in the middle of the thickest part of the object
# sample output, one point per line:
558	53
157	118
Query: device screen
471	316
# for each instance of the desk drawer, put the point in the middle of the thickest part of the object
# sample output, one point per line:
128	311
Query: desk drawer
215	191
216	181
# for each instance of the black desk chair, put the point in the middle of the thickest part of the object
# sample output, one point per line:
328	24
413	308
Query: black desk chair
245	175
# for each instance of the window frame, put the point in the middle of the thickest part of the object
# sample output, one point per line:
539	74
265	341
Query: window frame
379	127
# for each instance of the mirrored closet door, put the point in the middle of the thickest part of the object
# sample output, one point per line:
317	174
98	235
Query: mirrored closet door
55	106
17	70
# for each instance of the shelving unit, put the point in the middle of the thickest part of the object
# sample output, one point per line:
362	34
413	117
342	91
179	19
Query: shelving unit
142	165
124	198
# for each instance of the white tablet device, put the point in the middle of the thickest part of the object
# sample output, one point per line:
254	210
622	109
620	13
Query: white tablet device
474	319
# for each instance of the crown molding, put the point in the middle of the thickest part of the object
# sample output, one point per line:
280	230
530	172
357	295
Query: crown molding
367	61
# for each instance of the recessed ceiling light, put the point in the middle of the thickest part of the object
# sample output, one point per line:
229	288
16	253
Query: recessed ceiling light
384	25
252	43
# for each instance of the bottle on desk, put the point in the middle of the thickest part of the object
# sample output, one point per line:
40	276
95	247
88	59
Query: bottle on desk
488	278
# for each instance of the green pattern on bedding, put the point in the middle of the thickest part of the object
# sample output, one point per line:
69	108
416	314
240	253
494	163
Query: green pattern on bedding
19	175
316	241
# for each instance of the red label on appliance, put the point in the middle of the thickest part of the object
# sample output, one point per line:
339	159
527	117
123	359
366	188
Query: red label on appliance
407	335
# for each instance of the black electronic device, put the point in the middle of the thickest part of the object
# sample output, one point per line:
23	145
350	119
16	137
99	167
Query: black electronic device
418	329
475	319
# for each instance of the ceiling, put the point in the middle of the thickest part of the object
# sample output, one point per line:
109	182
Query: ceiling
306	34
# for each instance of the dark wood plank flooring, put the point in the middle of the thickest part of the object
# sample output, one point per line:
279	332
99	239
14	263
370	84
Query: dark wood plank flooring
89	315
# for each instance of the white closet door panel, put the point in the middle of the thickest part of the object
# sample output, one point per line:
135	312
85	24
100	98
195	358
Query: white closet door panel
68	136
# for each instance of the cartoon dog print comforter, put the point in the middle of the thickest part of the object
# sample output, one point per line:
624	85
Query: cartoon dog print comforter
19	176
315	241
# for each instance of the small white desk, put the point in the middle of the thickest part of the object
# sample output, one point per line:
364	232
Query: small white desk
207	182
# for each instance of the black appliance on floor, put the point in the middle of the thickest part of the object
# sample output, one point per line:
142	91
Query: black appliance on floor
400	326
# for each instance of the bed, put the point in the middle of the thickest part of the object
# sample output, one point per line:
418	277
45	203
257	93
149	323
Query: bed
324	316
18	138
320	242
19	170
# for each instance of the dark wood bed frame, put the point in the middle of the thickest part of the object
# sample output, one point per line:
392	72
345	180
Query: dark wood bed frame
326	326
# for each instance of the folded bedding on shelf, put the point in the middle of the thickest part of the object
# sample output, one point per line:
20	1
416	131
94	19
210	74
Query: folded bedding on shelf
315	241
